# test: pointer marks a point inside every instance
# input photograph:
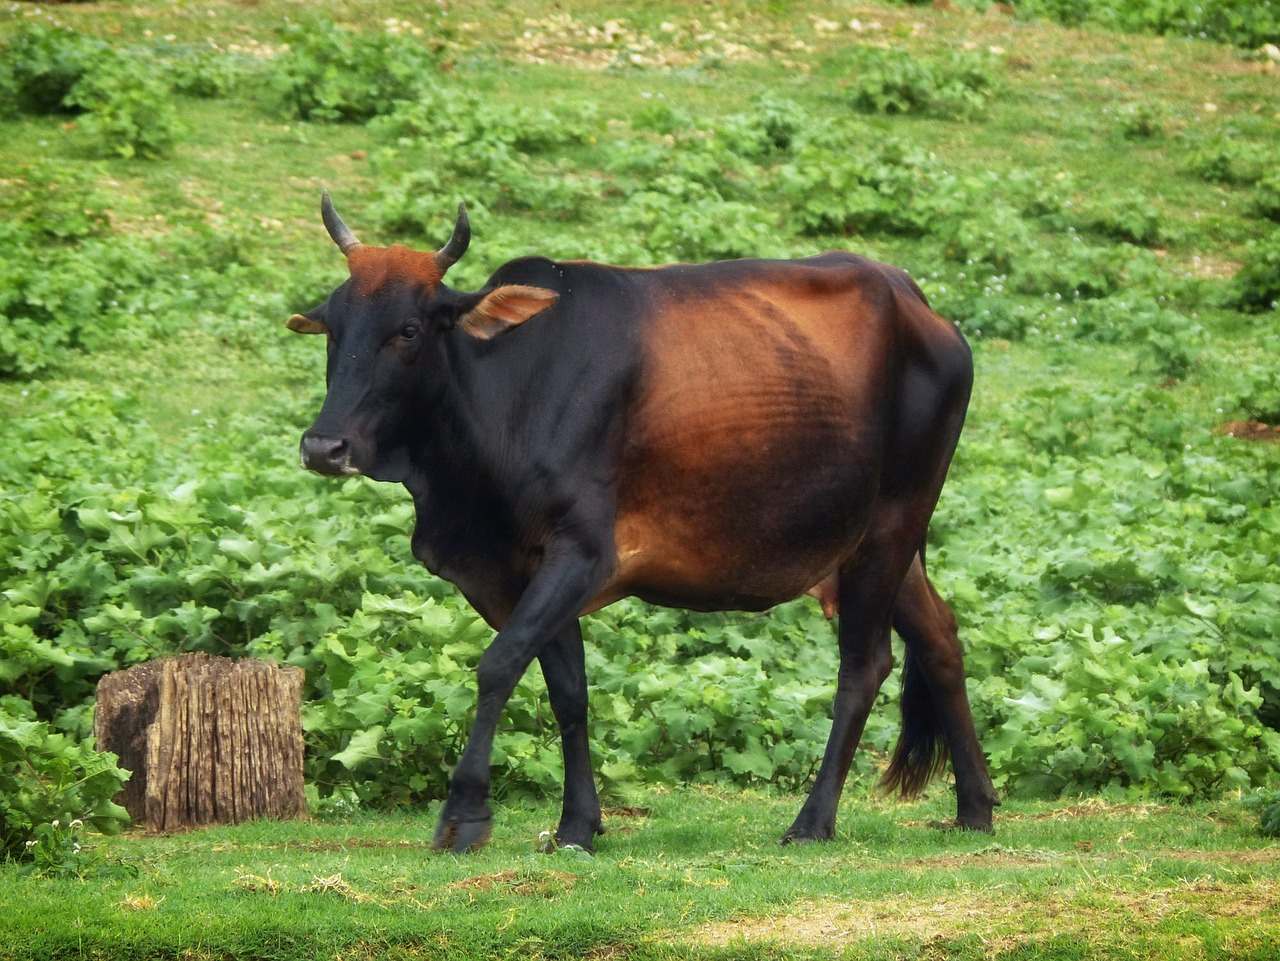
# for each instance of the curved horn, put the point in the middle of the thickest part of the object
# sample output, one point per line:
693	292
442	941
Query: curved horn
340	232
452	252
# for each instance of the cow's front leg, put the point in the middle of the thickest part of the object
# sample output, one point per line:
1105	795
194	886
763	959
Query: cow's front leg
568	578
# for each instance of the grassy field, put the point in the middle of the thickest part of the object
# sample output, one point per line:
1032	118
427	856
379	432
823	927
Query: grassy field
688	873
1084	203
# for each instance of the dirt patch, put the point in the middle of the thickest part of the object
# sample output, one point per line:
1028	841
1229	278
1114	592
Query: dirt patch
1087	808
562	39
540	884
323	845
823	922
1006	921
1249	430
1208	267
626	811
1263	857
486	882
352	844
1001	858
1007	858
1206	897
1091	808
622	820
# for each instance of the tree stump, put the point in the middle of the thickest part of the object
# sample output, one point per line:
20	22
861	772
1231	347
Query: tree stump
207	739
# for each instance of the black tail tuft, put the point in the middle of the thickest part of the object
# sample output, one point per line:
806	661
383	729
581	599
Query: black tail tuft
921	752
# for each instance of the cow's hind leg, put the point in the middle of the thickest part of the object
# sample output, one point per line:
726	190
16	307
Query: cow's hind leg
936	718
564	668
867	587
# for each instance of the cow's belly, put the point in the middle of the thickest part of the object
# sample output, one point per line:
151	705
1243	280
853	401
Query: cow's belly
735	511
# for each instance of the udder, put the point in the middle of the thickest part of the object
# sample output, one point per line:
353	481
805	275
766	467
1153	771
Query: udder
826	593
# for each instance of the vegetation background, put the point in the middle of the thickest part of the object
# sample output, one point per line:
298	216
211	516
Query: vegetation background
1089	188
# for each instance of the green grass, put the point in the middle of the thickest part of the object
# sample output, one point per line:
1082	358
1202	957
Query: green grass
700	874
686	874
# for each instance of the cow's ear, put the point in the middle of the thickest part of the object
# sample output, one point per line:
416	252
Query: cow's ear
312	322
504	308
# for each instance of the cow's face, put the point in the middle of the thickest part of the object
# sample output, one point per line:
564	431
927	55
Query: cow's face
387	329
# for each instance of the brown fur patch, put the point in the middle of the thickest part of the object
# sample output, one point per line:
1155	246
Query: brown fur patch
372	268
795	376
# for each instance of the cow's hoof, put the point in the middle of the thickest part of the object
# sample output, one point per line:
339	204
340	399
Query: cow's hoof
549	843
462	837
807	835
578	836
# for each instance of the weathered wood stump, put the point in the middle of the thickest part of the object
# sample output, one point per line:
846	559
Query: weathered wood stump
208	740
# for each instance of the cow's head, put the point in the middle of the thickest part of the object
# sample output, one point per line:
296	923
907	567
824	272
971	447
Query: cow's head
387	329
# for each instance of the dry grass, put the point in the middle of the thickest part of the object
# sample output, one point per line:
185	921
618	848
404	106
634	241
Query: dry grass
526	884
1005	921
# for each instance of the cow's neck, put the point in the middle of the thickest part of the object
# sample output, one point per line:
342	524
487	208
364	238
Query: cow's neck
463	530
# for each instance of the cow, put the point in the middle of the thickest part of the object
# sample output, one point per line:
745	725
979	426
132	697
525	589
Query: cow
723	436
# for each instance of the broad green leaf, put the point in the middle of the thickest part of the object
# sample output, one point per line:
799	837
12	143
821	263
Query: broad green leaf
362	747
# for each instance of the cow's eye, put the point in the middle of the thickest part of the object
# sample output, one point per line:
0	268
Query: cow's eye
410	331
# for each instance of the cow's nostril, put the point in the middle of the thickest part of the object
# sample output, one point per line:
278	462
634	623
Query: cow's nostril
325	455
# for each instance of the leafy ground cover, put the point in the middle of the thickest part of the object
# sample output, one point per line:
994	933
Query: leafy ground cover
686	873
1096	209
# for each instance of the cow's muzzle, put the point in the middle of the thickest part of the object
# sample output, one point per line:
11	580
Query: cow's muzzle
327	455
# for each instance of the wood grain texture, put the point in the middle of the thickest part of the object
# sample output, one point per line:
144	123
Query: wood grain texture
208	740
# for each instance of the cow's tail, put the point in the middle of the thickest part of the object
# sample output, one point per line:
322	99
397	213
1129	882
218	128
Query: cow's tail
921	752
